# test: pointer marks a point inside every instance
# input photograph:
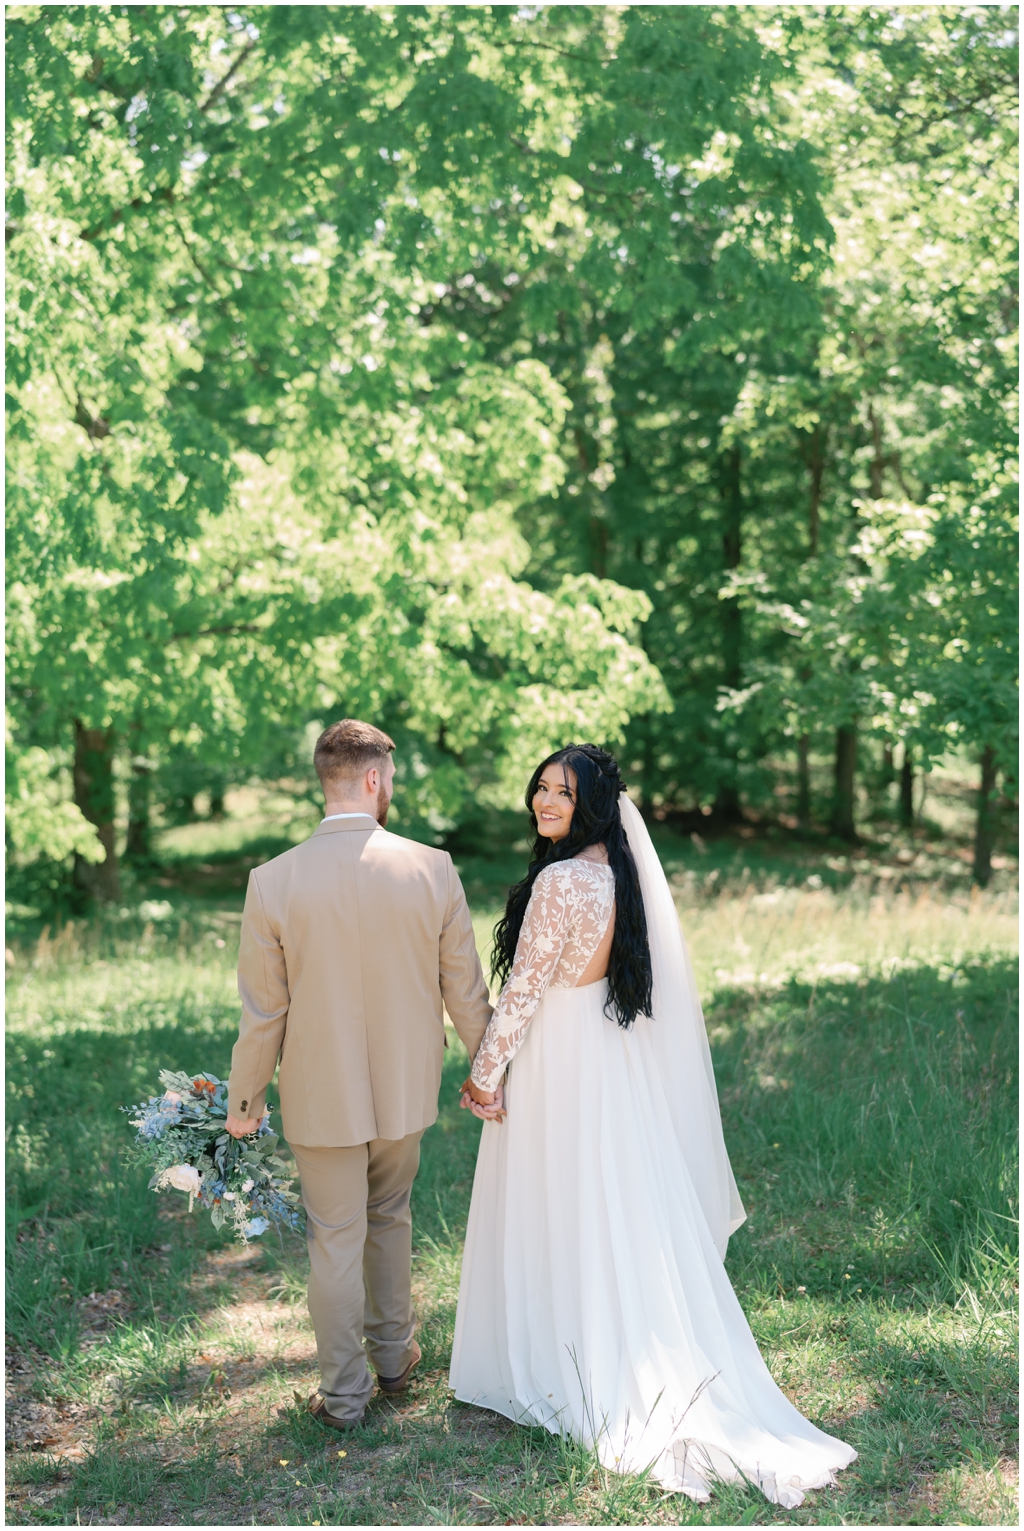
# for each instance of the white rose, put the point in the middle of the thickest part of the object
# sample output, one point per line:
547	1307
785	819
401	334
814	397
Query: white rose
173	1097
183	1177
229	1195
247	1186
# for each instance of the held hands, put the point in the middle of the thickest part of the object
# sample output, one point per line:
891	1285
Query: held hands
488	1106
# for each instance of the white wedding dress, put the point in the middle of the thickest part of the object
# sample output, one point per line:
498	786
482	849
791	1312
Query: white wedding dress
593	1298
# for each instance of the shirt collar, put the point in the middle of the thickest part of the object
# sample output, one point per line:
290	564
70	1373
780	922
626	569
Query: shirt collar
331	816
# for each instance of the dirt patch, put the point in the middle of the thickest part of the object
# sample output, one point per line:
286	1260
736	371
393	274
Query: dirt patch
33	1422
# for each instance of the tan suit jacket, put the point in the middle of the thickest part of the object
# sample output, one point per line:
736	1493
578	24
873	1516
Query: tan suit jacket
350	944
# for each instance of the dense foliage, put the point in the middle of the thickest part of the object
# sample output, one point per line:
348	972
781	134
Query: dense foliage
642	374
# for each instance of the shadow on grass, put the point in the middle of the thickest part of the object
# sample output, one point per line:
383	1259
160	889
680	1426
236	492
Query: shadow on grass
872	1127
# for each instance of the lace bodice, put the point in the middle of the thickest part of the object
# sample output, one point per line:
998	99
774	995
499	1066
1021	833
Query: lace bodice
568	913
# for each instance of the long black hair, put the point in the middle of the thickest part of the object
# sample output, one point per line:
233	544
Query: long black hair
595	821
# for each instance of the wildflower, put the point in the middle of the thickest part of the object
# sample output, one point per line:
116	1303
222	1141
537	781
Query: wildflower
343	1453
801	1289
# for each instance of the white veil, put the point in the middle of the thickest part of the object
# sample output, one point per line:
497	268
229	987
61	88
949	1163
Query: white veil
679	1042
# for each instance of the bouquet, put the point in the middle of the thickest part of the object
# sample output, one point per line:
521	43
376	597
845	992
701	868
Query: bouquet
242	1181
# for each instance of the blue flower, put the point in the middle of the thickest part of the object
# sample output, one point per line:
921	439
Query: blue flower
257	1226
158	1114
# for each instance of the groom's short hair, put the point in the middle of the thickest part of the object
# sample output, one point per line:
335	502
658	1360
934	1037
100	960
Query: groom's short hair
347	750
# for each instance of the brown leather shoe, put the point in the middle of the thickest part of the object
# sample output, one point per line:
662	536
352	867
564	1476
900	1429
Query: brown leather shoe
318	1409
399	1384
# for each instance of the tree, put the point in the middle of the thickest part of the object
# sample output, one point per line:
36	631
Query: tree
906	407
202	304
456	365
684	258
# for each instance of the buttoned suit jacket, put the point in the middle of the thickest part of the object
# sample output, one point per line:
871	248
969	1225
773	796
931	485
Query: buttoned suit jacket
353	944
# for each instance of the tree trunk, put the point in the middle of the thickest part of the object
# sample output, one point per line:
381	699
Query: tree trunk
599	547
815	458
803	781
984	831
727	803
888	765
816	467
727	800
878	460
907	789
732	551
137	846
94	793
846	767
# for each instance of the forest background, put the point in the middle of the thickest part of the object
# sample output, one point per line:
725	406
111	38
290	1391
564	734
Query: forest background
639	374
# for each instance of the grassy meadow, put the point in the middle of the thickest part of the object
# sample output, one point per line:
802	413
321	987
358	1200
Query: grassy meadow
863	1021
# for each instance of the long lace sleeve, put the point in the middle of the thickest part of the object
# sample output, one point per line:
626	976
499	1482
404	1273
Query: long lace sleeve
567	915
545	930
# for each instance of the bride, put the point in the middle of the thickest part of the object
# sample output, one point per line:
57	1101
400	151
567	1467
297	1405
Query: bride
593	1299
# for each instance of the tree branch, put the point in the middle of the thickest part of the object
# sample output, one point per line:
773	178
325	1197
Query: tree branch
166	194
95	427
193	257
580	58
222	85
217	632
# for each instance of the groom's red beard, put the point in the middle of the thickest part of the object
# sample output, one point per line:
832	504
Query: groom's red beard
383	803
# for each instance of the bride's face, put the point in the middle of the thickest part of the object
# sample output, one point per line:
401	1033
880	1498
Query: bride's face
554	802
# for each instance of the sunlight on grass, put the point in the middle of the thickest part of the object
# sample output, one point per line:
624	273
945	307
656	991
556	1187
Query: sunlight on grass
769	937
864	1045
766	937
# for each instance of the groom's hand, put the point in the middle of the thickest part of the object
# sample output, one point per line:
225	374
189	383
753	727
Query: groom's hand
487	1105
240	1129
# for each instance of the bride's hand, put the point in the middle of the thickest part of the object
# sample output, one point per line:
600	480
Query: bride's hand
488	1105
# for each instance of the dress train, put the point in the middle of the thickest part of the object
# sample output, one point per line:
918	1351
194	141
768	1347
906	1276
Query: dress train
593	1299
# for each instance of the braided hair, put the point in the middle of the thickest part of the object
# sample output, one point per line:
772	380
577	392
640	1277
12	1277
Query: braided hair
595	821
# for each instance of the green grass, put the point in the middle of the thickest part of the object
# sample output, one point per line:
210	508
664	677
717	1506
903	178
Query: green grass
865	1050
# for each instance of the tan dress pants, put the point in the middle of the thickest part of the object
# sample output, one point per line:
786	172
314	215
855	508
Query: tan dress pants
359	1229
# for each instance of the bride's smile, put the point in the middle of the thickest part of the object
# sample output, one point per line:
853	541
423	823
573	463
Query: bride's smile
554	802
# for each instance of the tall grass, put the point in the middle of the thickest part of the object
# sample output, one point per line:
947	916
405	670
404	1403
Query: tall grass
864	1046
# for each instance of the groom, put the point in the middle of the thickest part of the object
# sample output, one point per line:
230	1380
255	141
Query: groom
350	944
